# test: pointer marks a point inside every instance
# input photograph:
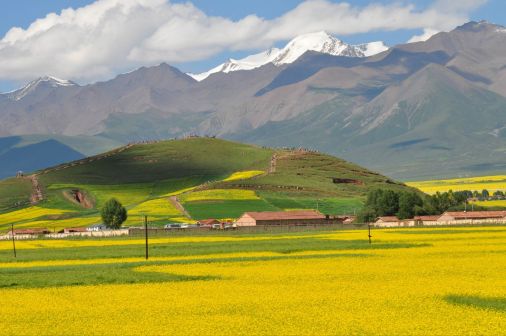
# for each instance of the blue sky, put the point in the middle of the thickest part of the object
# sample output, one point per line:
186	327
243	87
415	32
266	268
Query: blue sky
21	13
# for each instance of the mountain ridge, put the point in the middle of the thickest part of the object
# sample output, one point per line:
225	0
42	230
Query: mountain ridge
332	103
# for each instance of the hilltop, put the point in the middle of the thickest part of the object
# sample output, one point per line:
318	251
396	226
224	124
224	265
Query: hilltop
189	179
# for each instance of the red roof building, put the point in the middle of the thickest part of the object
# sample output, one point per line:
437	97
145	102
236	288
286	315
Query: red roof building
210	221
30	231
293	217
387	219
471	215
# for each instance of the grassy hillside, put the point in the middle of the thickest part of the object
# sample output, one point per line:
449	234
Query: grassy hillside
187	180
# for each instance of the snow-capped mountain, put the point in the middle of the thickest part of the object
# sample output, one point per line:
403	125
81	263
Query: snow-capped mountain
46	81
320	42
247	63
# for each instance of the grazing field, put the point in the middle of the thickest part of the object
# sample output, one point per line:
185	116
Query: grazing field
421	281
491	183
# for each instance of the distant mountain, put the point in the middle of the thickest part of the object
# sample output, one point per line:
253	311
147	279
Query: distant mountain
321	42
425	109
32	157
45	83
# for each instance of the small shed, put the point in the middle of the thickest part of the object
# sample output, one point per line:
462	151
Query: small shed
387	221
207	222
96	227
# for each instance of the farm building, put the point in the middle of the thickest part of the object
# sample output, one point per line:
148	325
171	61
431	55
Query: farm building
206	222
456	217
427	220
30	232
387	221
294	217
72	230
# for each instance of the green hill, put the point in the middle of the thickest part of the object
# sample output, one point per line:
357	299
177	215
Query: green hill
185	180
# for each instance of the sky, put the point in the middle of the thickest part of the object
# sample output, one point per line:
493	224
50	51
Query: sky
91	40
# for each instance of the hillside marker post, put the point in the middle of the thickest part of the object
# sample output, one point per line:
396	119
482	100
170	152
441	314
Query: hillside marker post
13	241
146	234
369	232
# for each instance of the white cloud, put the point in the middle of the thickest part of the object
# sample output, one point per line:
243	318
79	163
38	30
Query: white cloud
98	40
427	34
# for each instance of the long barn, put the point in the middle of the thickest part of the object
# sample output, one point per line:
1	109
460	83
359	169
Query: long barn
294	217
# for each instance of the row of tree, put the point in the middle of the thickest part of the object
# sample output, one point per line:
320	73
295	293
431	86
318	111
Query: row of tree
404	205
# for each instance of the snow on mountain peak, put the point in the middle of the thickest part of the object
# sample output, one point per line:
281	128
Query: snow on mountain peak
320	42
372	48
50	81
247	63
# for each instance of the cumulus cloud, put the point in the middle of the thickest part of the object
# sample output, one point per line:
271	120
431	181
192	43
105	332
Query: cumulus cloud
107	36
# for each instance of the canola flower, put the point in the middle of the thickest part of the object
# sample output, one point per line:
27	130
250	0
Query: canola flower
405	291
219	194
492	203
29	213
155	207
243	175
60	223
491	183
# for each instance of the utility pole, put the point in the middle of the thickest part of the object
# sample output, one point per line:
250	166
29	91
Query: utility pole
146	234
369	233
13	241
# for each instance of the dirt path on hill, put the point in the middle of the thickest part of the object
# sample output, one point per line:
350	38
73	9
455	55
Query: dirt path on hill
175	202
274	161
37	195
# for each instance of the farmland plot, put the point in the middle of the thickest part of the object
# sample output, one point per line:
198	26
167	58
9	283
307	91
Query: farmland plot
408	281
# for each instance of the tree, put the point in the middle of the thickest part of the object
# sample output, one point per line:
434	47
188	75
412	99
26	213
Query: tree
499	194
409	204
485	194
383	202
113	214
367	215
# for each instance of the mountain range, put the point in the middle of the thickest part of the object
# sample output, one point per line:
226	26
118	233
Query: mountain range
428	109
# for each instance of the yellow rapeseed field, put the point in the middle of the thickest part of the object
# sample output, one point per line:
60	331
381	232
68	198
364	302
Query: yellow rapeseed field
491	183
243	175
159	206
55	225
451	282
219	194
492	203
29	213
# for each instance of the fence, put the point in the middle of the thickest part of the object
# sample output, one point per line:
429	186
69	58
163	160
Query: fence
139	232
